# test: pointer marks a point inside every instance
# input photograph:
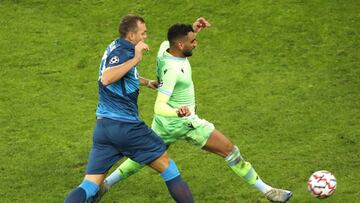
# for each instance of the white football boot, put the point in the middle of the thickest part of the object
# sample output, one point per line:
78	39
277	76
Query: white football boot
278	195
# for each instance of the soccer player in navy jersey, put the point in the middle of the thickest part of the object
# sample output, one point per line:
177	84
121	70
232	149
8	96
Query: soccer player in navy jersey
119	131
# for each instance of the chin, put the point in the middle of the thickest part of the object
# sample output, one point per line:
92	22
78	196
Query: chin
188	54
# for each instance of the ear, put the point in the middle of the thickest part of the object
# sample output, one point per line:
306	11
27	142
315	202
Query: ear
131	36
180	45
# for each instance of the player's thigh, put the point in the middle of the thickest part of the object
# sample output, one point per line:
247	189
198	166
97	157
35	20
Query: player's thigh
199	131
169	129
103	155
219	144
102	158
143	145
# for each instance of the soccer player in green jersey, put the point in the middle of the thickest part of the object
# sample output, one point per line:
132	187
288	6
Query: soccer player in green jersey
176	98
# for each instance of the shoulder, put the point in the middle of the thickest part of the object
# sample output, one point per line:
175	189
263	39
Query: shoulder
118	50
115	57
121	47
163	47
169	65
120	54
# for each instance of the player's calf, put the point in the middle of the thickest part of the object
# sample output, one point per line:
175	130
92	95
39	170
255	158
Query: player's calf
178	188
245	170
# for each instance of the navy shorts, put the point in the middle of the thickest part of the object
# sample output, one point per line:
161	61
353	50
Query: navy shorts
112	140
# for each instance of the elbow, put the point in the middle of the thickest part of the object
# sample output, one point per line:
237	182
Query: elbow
105	80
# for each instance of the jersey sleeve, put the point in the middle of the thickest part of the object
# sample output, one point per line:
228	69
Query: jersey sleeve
168	80
162	108
116	57
163	47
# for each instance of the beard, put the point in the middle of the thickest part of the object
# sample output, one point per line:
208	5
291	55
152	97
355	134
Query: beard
187	53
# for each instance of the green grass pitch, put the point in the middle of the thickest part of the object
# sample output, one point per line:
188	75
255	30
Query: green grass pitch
280	78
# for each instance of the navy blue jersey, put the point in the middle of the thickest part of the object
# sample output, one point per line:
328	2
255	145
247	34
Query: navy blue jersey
118	100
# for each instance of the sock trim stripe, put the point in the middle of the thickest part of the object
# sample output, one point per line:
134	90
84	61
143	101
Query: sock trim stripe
234	152
90	188
171	171
249	174
236	161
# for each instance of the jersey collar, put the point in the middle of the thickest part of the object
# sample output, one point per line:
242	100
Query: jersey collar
167	55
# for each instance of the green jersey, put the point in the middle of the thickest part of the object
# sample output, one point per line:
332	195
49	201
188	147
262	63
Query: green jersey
174	77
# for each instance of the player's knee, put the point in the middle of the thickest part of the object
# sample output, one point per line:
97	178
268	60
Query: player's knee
164	160
160	164
170	172
90	188
234	157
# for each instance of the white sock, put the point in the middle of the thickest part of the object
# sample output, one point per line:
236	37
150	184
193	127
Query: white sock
113	178
261	186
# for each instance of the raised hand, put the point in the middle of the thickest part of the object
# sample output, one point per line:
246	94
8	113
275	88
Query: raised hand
138	50
200	24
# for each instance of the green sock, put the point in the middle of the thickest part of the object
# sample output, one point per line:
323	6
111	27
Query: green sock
126	169
246	171
129	167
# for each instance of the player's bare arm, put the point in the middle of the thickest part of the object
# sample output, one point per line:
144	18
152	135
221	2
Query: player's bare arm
114	74
153	84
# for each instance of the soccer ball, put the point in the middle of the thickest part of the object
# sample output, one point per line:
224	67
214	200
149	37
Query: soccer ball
322	184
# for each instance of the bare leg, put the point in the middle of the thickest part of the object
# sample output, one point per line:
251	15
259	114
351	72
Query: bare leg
160	164
218	144
97	178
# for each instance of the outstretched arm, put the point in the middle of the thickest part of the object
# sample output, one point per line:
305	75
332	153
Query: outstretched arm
153	84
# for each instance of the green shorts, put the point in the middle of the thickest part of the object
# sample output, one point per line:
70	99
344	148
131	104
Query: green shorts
192	129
